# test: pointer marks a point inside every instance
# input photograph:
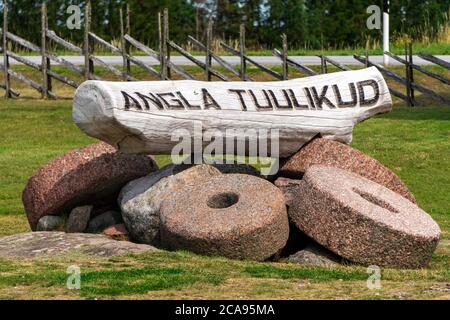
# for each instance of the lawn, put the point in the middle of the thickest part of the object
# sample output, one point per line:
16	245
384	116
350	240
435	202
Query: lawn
413	142
397	47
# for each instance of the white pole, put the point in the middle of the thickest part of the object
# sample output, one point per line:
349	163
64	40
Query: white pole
386	31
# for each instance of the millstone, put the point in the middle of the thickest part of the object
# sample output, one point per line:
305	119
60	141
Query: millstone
335	154
363	221
88	175
234	215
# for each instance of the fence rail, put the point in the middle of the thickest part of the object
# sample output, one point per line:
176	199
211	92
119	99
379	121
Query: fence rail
435	60
420	69
167	68
214	56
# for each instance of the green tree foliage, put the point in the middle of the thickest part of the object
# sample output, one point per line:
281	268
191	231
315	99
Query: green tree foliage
308	23
144	19
284	16
336	23
24	17
419	18
228	15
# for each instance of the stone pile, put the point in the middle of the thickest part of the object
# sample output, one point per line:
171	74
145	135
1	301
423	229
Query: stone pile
91	176
329	204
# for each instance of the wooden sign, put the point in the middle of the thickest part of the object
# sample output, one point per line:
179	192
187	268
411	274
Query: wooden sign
142	117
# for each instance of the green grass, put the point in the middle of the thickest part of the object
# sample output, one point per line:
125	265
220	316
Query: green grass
433	48
183	275
430	48
413	142
270	271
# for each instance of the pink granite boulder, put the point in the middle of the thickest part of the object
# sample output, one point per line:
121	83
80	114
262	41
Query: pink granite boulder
289	188
363	221
116	231
338	155
90	175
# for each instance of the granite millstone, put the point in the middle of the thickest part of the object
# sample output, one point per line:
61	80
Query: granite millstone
335	154
35	244
82	176
140	200
363	221
233	215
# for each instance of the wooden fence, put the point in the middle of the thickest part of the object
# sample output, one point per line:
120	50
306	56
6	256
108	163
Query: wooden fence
167	68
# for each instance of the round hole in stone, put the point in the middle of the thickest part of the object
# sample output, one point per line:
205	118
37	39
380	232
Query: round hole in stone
375	200
223	200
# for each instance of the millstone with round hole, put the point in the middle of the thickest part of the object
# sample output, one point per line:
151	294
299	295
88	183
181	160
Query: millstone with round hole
363	221
236	216
339	155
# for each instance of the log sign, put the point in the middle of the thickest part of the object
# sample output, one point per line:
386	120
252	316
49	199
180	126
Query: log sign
141	117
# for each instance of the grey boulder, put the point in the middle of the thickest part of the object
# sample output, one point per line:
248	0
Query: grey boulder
50	223
36	244
315	255
79	219
103	221
140	200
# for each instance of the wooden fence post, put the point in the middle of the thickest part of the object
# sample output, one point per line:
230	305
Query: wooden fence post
166	37
128	31
243	70
46	79
285	57
162	53
408	76
88	65
367	58
411	72
208	62
128	21
367	53
5	49
323	64
125	48
322	59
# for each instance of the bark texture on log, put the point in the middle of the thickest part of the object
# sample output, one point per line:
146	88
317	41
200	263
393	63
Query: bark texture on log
142	117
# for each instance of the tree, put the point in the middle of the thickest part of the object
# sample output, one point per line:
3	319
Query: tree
418	18
227	15
285	16
308	23
252	18
144	22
